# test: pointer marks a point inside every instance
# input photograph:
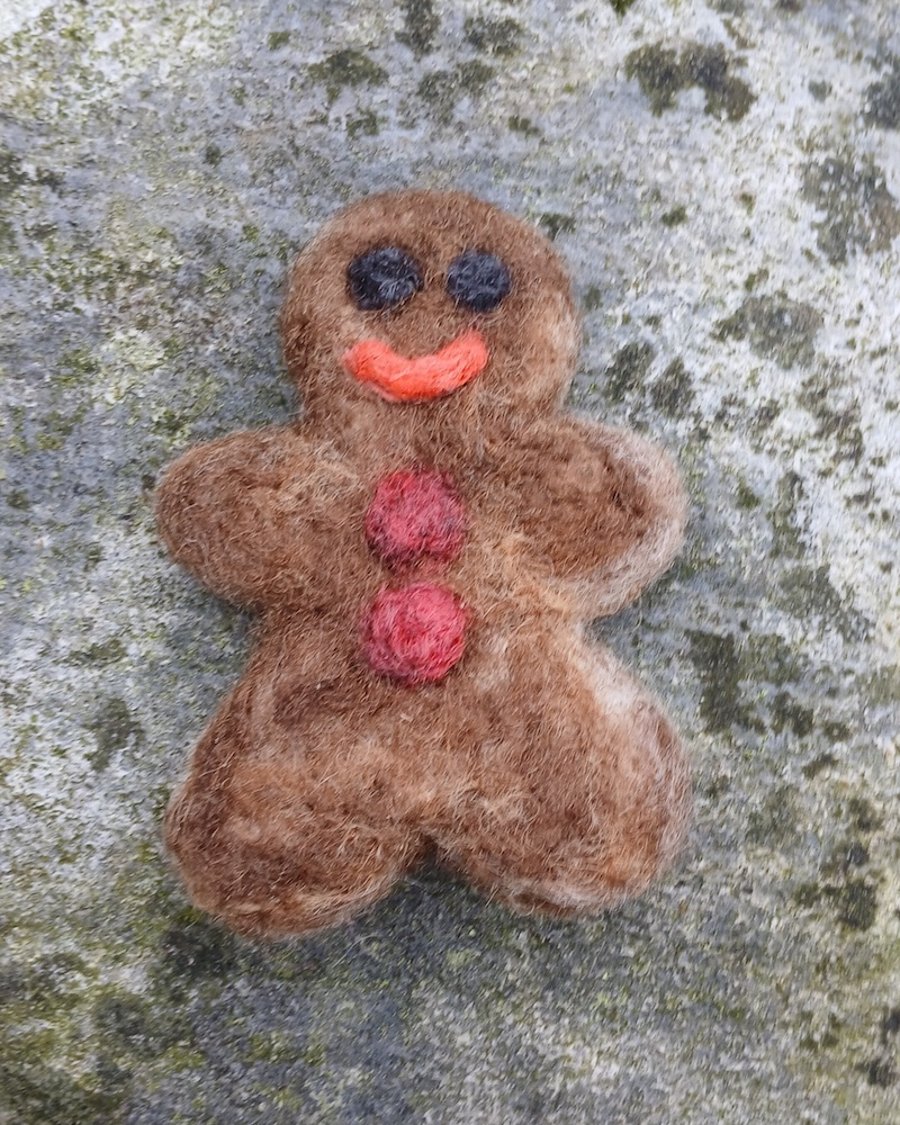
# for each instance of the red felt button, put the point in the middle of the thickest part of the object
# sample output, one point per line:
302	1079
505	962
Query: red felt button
415	514
415	634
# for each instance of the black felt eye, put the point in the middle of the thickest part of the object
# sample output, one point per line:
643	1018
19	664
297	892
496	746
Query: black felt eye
382	278
478	280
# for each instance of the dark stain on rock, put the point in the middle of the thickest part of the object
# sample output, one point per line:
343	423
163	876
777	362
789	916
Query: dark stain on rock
745	498
856	854
523	125
98	655
123	1016
196	949
837	731
48	984
114	727
710	69
755	279
807	895
863	815
857	904
130	1025
364	125
628	369
495	36
828	1038
775	823
348	67
18	499
278	39
856	900
675	217
882	100
880	1072
788	714
787	530
838	423
661	72
620	7
860	212
771	659
844	427
846	857
12	174
474	77
32	1090
39	1093
819	90
715	658
809	593
420	26
775	327
816	765
672	393
441	89
890	1024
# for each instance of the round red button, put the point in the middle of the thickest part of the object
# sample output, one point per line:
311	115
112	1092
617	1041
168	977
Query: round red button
414	634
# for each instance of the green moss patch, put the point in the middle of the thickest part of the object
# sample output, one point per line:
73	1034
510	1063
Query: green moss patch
441	89
718	667
662	72
495	36
346	68
114	727
628	370
420	26
882	100
673	392
860	214
775	327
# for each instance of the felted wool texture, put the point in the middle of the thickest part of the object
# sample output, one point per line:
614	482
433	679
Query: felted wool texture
402	699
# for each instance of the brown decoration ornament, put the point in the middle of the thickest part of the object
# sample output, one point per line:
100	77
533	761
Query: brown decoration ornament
424	547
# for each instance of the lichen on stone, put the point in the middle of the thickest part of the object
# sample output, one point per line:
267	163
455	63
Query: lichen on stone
347	67
860	213
882	100
420	26
495	36
662	72
776	327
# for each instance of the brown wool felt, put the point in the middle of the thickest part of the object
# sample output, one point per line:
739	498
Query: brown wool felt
420	679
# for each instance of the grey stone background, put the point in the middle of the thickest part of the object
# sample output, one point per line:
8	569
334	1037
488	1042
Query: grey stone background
724	178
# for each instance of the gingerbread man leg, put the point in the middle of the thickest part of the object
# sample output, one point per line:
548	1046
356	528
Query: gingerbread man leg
285	824
580	795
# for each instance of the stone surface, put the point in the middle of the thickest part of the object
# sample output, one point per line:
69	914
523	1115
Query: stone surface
724	178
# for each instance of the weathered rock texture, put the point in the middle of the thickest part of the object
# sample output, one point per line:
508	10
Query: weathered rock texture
724	179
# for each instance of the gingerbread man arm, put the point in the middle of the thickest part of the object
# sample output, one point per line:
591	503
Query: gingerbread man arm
241	513
603	510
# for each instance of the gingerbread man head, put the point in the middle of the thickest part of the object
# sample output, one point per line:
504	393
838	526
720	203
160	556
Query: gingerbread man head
420	275
425	546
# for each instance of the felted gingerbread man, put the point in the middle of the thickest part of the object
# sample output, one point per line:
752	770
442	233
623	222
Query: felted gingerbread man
424	547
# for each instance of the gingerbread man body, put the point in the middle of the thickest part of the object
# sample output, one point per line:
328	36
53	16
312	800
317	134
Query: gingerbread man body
425	547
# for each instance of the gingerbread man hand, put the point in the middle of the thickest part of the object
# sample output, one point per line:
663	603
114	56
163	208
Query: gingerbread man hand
425	547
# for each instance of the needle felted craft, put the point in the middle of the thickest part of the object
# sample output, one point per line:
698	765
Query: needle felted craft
425	547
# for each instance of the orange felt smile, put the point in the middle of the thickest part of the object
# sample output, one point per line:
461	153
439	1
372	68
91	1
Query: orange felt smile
400	378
